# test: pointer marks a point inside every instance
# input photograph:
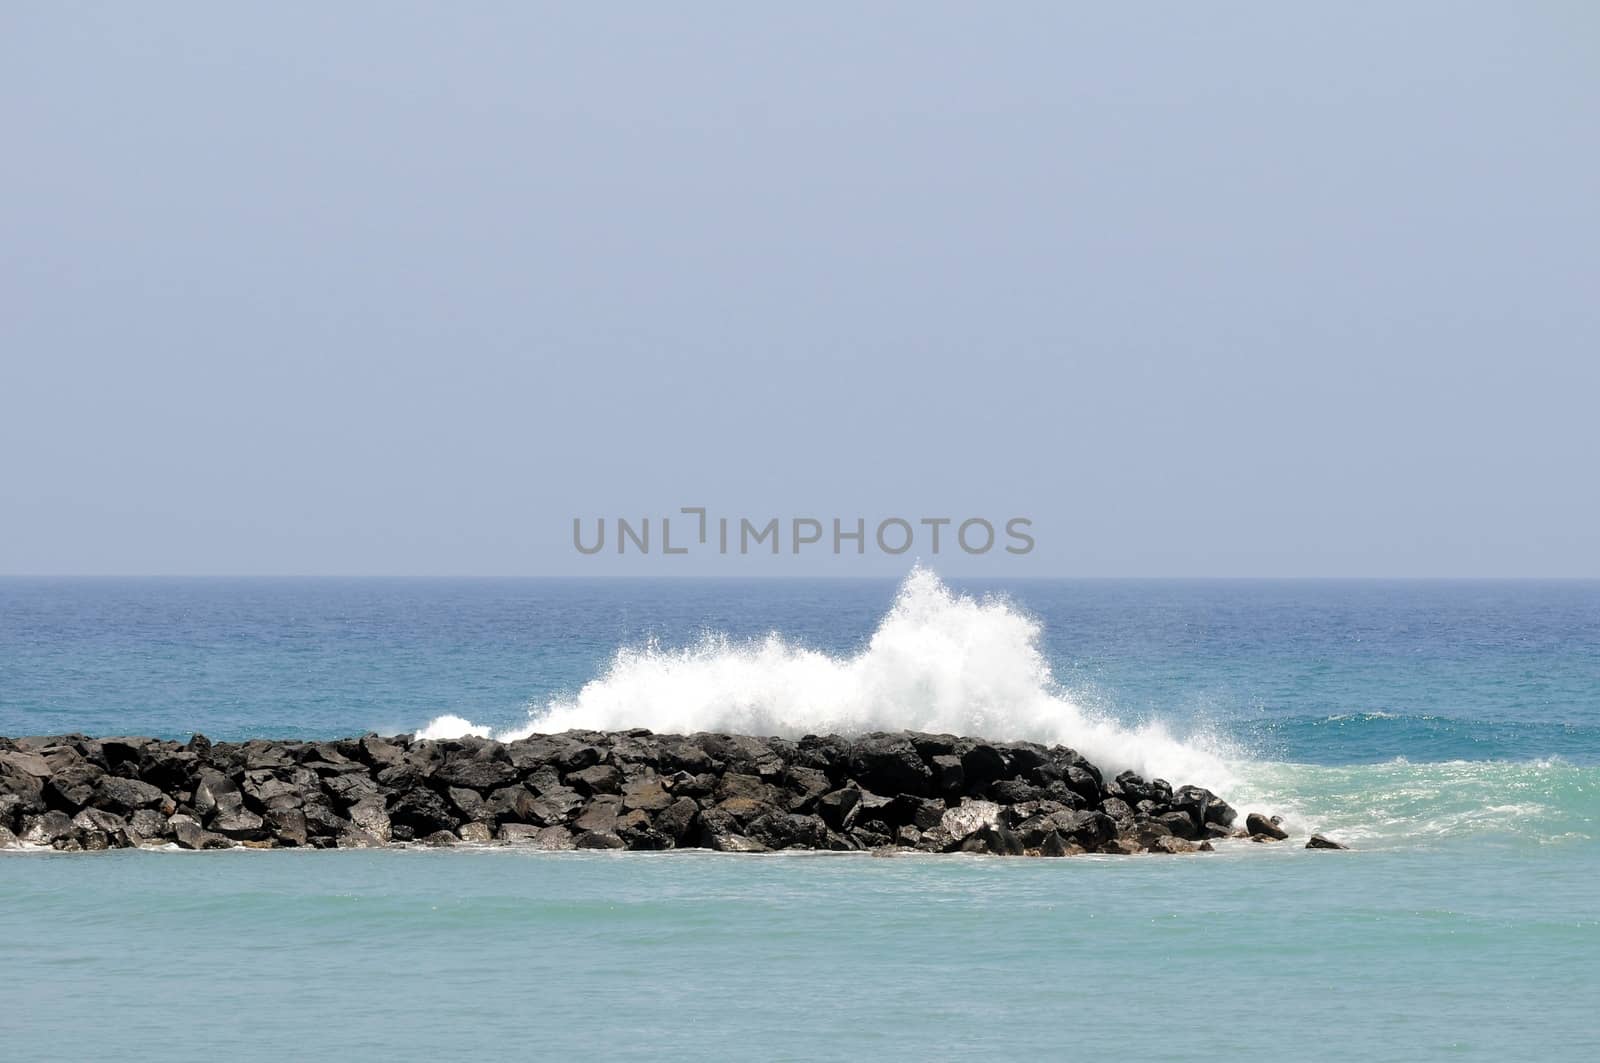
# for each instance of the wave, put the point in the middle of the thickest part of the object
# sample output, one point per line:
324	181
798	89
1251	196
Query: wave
945	662
1546	801
938	661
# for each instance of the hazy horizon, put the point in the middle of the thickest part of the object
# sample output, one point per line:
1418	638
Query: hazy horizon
372	290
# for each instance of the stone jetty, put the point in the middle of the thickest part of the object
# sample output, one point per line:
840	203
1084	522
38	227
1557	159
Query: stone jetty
599	790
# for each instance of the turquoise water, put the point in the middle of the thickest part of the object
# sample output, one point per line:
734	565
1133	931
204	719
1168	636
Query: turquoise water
1447	731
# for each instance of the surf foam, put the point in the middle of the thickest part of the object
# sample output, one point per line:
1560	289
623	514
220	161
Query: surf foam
938	662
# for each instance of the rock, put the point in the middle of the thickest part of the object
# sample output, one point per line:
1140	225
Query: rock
350	788
477	770
735	843
638	832
550	839
106	823
48	828
995	839
125	796
646	794
982	766
679	820
1086	829
599	779
600	815
422	811
890	764
288	825
380	752
948	777
371	816
73	786
1322	841
968	818
805	786
322	821
476	832
239	823
1171	843
598	839
781	830
356	838
8	840
146	826
838	808
1180	823
24	763
1260	826
440	839
190	835
1055	845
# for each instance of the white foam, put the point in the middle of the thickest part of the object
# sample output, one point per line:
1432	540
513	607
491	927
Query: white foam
937	662
452	727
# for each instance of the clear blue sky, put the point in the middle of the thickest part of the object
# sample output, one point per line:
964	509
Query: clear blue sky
1255	289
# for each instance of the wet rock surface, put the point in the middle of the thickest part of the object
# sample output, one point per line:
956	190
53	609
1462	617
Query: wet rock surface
624	790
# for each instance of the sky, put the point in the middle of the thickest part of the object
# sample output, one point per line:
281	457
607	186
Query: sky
1197	290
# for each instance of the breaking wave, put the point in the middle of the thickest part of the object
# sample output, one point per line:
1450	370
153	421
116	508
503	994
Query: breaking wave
938	661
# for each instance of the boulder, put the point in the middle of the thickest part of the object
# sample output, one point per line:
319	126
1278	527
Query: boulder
646	794
147	826
372	816
1181	823
8	840
238	823
188	833
598	839
982	766
214	791
356	838
48	828
1322	841
440	839
1171	843
968	818
476	832
599	815
113	826
288	825
599	779
948	777
1055	845
479	769
72	786
784	830
804	786
678	820
1261	826
890	764
20	762
838	809
124	796
423	811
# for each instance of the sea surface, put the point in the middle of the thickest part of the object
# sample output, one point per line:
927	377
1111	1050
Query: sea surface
1448	732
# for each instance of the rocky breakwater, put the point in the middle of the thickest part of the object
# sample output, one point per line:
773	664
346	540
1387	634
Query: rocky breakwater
596	790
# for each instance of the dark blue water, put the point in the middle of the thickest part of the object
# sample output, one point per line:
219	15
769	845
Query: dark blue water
1320	672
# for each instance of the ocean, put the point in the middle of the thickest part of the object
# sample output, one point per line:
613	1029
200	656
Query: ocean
1448	732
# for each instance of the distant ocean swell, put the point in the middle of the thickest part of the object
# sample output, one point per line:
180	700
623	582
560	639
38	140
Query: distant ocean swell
943	662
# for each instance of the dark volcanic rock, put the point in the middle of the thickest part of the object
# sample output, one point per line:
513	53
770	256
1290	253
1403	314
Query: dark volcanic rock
588	789
890	764
1319	841
1261	826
